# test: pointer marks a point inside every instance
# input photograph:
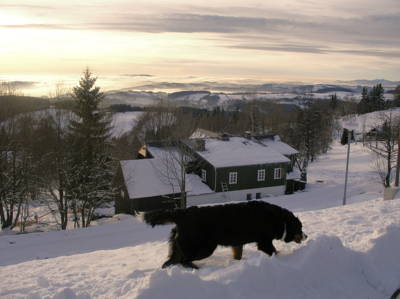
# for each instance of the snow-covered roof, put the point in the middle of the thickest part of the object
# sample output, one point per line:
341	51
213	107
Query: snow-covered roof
239	151
279	146
160	175
147	178
196	186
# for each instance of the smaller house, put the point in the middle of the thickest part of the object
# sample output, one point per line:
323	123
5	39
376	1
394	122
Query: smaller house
156	180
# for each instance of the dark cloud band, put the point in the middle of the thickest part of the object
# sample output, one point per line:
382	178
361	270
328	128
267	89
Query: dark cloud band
369	36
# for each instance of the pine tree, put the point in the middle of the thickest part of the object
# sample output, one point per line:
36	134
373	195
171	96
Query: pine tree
334	102
89	184
396	94
377	97
364	106
372	100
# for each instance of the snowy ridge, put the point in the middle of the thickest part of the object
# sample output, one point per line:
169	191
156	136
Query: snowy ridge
212	94
365	122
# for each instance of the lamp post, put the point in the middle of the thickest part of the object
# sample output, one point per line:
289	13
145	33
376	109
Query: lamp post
347	137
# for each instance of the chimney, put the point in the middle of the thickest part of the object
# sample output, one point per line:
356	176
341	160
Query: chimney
224	137
200	145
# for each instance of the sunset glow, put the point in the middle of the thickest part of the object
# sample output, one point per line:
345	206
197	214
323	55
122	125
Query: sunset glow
289	40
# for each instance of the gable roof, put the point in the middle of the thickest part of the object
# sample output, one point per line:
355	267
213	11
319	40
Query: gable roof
239	151
159	175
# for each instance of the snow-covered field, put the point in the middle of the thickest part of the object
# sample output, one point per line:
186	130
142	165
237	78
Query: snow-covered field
352	251
124	122
365	122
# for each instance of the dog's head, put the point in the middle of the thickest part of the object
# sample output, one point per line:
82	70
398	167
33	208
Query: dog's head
293	229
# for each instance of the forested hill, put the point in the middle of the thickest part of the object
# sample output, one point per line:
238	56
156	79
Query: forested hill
11	105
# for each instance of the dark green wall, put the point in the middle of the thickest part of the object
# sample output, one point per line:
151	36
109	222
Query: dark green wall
292	161
210	173
247	176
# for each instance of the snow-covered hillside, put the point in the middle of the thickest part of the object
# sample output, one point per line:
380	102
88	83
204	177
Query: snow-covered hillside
365	122
352	251
350	254
207	95
209	100
123	122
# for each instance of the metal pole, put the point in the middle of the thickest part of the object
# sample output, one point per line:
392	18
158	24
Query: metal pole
347	170
398	162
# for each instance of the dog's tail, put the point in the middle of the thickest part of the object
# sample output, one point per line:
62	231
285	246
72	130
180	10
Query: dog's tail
160	217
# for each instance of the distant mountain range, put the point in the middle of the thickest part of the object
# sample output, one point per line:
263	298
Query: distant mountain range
229	95
384	82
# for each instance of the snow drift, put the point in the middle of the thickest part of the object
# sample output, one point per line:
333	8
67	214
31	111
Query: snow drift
357	258
322	269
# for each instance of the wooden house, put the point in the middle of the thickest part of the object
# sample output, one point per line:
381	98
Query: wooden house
216	170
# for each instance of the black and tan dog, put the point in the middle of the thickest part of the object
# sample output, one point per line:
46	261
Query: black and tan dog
199	230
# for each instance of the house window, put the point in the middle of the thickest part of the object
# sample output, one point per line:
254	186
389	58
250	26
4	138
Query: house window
122	194
233	177
258	195
277	173
261	175
248	196
204	175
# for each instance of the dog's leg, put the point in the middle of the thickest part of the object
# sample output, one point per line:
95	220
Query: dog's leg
189	265
177	252
267	247
175	255
237	252
168	263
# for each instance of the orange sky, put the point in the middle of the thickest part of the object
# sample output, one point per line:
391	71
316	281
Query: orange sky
211	40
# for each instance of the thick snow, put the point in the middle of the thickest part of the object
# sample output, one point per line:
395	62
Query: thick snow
196	185
326	180
350	254
352	251
151	177
238	151
279	146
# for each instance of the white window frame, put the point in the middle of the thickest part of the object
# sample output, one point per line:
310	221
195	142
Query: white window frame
277	173
233	178
204	175
260	175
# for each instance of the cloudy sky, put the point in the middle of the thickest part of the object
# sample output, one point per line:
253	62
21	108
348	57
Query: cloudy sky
286	40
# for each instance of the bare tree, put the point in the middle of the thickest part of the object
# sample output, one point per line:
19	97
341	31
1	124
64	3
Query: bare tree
7	89
384	145
168	125
53	179
173	160
16	174
162	121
